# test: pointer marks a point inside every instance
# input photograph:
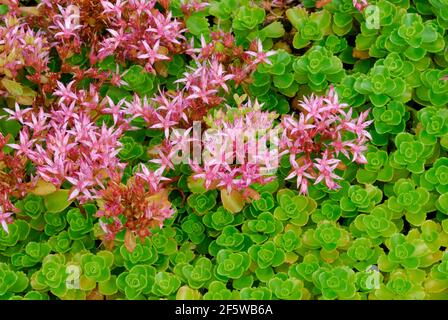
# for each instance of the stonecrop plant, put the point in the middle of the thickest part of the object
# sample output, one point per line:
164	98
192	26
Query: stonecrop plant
223	149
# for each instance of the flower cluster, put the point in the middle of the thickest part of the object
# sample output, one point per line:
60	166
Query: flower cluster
324	132
12	182
139	32
235	150
22	48
66	144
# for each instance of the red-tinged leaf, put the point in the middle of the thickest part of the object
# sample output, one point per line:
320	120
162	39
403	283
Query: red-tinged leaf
130	241
321	3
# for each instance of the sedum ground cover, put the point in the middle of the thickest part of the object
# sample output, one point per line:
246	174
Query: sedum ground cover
228	149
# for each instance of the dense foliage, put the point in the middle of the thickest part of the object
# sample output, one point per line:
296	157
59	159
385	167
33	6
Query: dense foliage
228	149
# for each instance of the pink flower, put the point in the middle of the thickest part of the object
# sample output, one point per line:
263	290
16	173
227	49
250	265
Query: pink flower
25	146
18	113
80	186
260	55
360	5
65	92
152	178
115	9
67	23
152	53
5	218
301	174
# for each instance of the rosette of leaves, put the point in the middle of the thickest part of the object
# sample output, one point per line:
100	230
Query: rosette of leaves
247	18
433	90
390	118
294	208
267	255
34	253
60	243
224	9
220	218
378	223
432	234
199	273
232	238
381	87
202	202
343	11
31	206
260	229
138	80
359	199
163	240
194	228
347	93
309	27
335	44
318	67
143	253
11	282
265	203
17	231
400	67
335	283
231	265
376	168
136	282
439	8
436	178
52	275
438	276
411	154
442	203
362	253
403	251
285	288
80	224
415	38
435	125
410	200
328	210
327	235
184	254
304	270
403	285
279	73
289	241
273	101
165	284
54	223
217	290
259	293
131	150
96	270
